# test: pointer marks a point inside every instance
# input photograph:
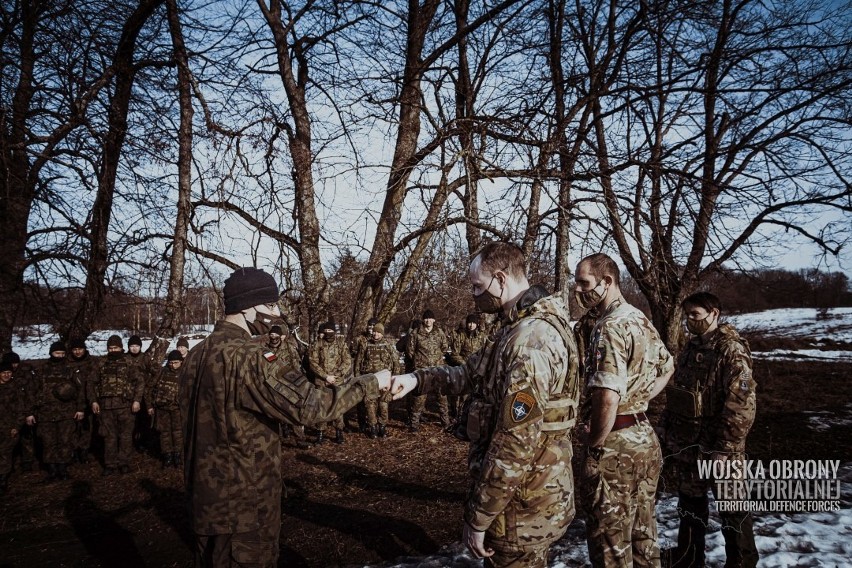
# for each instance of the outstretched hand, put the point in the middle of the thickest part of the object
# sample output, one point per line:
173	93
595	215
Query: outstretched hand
384	378
402	385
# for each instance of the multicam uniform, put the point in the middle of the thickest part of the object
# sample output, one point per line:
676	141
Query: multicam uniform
233	395
710	408
426	349
625	355
115	387
56	395
524	391
330	358
372	357
163	397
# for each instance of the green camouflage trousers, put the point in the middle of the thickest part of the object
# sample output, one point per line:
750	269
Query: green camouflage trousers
169	427
619	497
340	423
116	427
56	440
377	410
418	405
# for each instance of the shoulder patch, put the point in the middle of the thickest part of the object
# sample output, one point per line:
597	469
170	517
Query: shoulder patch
270	356
520	408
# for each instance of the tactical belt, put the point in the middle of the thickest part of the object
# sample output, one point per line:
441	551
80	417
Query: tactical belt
627	420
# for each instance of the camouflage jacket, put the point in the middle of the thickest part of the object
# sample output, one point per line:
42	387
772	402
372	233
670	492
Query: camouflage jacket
711	400
233	395
11	408
56	393
84	369
524	390
427	348
147	370
163	391
626	355
464	344
330	358
116	383
287	350
377	355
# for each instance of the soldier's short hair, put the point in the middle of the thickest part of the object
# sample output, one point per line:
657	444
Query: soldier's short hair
500	255
600	265
704	300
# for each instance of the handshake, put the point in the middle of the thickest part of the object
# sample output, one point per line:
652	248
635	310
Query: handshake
397	385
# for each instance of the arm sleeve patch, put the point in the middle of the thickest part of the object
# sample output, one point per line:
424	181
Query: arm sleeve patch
520	408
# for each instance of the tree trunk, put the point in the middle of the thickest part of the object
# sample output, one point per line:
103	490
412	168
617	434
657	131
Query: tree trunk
93	295
173	314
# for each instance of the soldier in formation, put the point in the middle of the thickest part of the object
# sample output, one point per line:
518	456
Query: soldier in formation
330	364
463	344
626	365
11	417
710	408
56	401
23	375
147	371
426	347
376	354
83	366
285	347
163	408
524	396
115	392
234	396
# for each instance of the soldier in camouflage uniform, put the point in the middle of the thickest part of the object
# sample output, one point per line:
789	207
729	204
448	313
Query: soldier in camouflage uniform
426	347
116	392
375	355
710	408
462	345
330	364
84	367
56	400
627	365
162	401
148	371
23	375
524	391
234	396
11	418
358	352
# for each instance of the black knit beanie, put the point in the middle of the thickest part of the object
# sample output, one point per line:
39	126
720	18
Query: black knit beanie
115	341
56	346
248	287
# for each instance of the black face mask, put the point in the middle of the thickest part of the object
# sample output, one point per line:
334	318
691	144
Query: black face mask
263	323
488	303
115	355
328	336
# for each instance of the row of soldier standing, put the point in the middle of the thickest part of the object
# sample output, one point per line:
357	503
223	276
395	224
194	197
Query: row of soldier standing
54	404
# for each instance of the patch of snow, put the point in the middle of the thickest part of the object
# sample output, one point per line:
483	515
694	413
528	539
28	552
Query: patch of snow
835	324
802	355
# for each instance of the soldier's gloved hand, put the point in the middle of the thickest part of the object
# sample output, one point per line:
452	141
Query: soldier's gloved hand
403	384
474	540
31	420
134	408
384	377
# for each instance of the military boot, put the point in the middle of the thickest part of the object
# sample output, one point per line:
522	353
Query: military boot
338	435
168	460
372	432
381	430
320	438
176	460
52	472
